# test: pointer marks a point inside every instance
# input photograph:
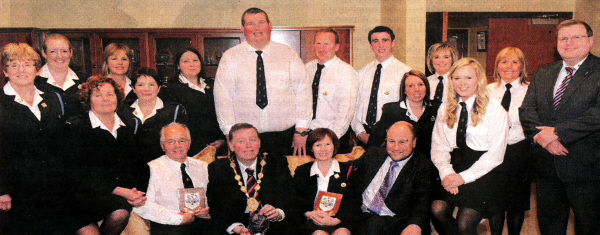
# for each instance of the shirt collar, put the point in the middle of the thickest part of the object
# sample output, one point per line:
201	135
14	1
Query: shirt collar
386	63
37	99
576	67
409	112
137	111
97	123
175	164
335	168
71	76
201	82
243	167
329	63
252	49
401	163
470	101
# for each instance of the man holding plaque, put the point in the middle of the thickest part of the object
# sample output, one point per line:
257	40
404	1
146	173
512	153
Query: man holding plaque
176	190
249	188
392	186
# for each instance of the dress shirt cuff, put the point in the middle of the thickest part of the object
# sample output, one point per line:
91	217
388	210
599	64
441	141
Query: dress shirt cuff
303	124
232	226
445	171
281	213
467	176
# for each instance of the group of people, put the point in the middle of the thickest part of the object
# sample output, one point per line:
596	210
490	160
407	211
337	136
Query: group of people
78	150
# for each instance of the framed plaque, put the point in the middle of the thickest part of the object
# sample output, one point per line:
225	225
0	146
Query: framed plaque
192	199
328	202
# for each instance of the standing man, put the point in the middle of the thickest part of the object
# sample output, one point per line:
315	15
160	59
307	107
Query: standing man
392	186
264	83
334	88
561	113
379	82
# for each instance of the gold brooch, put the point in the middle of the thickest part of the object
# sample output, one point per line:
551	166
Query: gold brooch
336	176
324	93
44	105
343	185
387	92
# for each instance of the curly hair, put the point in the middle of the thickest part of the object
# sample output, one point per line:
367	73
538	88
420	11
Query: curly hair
21	51
318	135
482	93
94	83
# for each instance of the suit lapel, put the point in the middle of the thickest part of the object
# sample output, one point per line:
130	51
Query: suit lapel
548	87
580	76
403	175
374	168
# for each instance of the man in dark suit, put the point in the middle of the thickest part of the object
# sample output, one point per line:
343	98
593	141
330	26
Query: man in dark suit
392	186
232	189
561	113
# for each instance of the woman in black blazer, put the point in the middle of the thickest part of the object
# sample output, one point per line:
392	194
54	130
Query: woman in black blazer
153	112
194	91
31	166
325	174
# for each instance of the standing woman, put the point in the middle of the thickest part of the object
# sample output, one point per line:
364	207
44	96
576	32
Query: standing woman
468	143
325	174
107	167
56	76
153	112
195	93
117	66
440	58
31	167
509	88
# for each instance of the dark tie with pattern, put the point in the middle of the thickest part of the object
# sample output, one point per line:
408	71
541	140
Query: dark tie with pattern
372	109
439	90
261	83
251	182
563	86
506	98
187	181
315	88
461	130
379	199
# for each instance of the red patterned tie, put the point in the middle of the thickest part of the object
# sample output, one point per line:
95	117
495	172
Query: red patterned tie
563	86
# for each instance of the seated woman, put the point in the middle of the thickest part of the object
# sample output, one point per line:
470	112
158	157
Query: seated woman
325	174
31	167
102	148
153	112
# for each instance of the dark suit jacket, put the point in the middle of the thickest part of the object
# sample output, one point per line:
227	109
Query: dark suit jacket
228	203
409	196
392	113
70	98
576	120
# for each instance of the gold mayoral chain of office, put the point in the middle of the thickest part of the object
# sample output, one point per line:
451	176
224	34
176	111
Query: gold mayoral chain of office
252	204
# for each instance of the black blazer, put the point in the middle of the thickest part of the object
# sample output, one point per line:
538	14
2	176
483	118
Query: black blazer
409	197
392	113
200	107
228	203
69	97
576	120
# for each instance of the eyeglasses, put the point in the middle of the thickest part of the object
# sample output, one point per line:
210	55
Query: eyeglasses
173	142
573	38
16	66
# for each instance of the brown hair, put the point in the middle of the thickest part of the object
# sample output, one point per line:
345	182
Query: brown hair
55	36
318	135
417	73
94	83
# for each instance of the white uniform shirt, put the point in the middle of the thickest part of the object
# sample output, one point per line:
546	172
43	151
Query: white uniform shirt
37	99
97	123
517	94
323	180
45	72
433	82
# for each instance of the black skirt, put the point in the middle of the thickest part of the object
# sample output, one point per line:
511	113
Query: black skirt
515	170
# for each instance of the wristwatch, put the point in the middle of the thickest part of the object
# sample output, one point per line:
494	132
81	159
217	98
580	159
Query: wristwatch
301	133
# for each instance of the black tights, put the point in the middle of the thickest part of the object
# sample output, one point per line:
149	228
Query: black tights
445	224
114	224
514	223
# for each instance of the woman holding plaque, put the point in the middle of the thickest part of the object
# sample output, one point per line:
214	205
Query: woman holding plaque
107	169
324	176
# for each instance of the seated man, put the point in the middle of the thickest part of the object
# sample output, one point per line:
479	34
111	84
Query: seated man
168	174
392	187
248	184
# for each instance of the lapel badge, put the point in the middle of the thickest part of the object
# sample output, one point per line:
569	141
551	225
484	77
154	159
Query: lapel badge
44	105
387	92
336	176
433	118
343	185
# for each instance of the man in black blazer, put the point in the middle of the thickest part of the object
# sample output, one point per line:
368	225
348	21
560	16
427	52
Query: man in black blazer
566	133
405	209
230	206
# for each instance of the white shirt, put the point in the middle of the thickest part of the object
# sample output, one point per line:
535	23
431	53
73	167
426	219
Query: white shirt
376	183
563	74
288	89
137	111
338	88
162	205
517	94
97	123
389	89
201	83
433	82
409	113
71	75
323	180
37	99
489	135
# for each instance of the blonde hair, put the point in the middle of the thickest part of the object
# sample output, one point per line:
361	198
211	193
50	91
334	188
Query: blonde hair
435	48
21	51
508	52
482	96
112	49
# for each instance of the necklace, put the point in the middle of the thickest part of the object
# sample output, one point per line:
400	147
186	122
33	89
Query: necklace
252	204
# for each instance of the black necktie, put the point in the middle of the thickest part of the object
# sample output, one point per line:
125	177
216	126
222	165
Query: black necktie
251	182
187	181
439	90
461	130
506	98
315	88
261	83
372	109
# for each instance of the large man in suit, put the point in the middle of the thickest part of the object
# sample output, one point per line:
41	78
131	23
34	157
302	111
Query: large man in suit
234	182
392	186
561	113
